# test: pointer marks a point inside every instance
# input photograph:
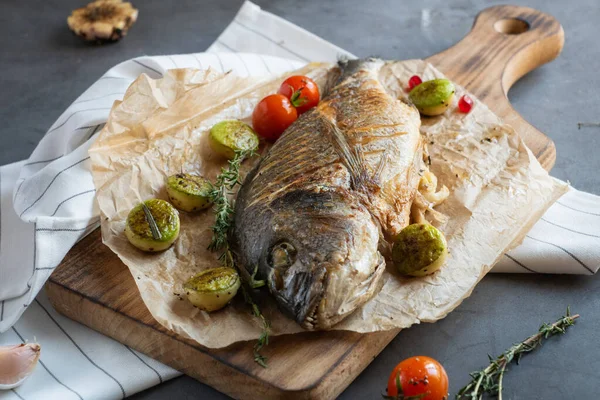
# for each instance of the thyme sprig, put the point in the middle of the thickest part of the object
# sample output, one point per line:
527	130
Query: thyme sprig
489	380
263	339
219	194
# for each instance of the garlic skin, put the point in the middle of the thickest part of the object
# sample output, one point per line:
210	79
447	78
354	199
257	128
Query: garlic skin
17	363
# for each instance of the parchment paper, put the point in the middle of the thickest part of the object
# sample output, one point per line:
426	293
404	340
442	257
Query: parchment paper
498	190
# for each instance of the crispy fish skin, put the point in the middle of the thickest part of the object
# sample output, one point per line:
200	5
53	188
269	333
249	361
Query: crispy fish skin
312	216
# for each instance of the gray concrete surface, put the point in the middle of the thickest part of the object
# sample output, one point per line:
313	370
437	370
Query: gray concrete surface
43	68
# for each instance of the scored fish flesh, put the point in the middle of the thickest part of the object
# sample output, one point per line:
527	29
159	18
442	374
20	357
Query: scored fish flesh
313	217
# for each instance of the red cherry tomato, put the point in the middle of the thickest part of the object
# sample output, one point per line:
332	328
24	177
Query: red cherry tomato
302	91
272	116
416	376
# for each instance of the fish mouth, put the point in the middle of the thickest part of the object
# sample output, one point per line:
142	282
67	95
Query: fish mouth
310	321
313	321
304	307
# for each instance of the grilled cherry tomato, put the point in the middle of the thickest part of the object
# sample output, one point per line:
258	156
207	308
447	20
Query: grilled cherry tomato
418	376
302	91
272	116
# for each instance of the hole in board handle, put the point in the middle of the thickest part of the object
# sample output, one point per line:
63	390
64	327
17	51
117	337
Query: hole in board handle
511	26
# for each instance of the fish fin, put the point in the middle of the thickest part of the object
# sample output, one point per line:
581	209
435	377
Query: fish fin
381	167
365	180
359	156
353	160
362	171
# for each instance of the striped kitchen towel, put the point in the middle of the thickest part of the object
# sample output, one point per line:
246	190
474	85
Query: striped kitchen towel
47	205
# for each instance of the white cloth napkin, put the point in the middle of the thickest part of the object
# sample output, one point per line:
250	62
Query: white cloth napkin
47	205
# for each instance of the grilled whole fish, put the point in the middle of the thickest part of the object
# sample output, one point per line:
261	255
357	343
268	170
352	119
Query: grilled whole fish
312	217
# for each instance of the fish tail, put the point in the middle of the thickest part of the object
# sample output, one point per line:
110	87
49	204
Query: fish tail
350	67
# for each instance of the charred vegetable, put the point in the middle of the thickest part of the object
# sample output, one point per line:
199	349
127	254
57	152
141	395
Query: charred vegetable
419	250
152	225
432	97
103	20
189	192
228	137
212	289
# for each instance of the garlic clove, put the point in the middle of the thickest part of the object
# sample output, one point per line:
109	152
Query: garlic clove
17	363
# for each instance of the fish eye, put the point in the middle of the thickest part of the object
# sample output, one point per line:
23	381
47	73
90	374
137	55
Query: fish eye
282	255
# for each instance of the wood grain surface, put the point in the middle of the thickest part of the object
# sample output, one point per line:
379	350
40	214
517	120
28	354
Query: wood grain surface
505	43
94	287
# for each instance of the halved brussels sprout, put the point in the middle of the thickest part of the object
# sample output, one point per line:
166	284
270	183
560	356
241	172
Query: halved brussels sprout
432	97
152	225
189	192
230	136
419	250
212	289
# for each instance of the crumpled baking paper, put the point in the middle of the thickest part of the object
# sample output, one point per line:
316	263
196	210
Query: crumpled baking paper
497	192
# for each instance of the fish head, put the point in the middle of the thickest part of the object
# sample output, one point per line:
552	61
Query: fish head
322	259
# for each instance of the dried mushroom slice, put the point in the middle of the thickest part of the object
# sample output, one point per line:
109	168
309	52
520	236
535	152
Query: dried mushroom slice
103	20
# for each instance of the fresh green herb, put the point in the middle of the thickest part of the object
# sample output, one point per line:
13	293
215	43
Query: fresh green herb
152	222
489	380
401	395
263	340
296	100
219	194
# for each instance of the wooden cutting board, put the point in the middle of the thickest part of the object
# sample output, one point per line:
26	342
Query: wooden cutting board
93	287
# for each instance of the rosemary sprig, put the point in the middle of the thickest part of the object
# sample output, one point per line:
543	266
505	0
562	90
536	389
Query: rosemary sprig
151	222
489	380
226	181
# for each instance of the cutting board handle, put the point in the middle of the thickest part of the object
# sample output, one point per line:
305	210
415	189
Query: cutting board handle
505	43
